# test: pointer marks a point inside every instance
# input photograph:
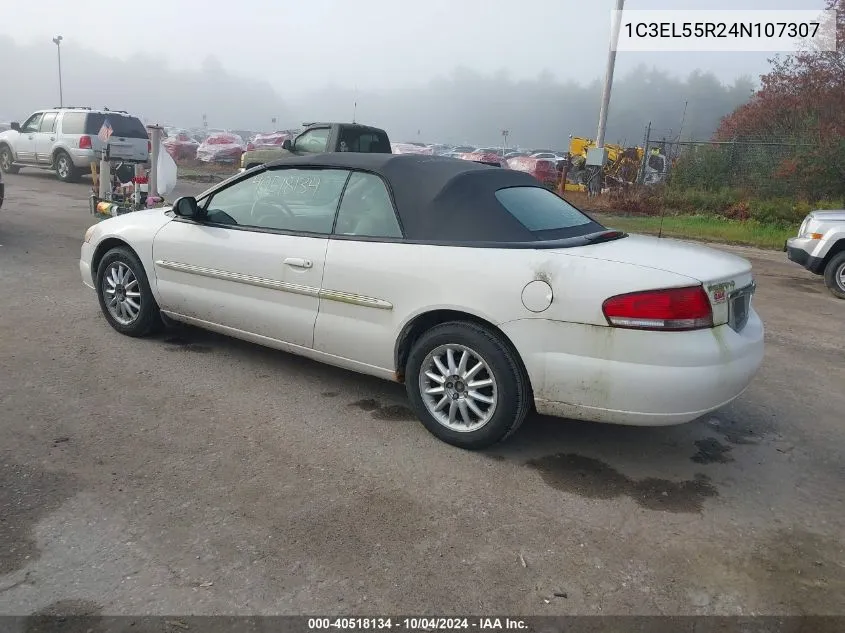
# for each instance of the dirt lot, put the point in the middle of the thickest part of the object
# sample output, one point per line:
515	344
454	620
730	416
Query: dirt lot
196	474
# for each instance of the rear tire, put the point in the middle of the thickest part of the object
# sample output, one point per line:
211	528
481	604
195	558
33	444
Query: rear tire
65	169
124	294
472	404
6	160
834	275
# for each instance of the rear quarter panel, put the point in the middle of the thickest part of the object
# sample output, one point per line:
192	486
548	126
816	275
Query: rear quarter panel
484	282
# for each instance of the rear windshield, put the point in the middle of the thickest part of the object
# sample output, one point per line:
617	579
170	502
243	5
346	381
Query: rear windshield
91	122
365	141
541	211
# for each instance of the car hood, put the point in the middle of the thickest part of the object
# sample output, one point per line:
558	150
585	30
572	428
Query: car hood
691	260
145	219
829	216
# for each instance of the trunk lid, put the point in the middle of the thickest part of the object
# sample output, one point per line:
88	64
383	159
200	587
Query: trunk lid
726	278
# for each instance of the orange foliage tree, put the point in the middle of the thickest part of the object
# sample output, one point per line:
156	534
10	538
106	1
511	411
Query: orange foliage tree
801	100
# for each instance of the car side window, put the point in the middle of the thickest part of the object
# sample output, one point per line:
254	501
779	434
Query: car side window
314	141
366	209
32	123
73	122
48	123
295	200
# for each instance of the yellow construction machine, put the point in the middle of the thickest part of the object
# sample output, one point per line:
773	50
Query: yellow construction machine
623	164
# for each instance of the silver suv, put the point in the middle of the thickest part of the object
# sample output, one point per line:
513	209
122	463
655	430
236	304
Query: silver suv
67	140
820	248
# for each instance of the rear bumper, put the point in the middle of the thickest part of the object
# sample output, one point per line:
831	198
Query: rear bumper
799	249
603	374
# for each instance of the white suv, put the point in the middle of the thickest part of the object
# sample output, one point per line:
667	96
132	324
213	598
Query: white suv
820	248
66	140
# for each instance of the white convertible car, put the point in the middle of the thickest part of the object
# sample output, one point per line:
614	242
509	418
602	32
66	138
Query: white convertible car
485	293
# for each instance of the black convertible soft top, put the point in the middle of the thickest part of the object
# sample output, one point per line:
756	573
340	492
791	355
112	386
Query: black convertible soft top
445	200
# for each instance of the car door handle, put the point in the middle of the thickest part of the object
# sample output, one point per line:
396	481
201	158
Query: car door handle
298	262
52	138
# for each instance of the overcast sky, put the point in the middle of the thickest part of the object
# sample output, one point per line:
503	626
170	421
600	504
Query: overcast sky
300	45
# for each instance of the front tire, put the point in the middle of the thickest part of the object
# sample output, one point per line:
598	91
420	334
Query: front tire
6	161
124	294
834	275
467	385
65	169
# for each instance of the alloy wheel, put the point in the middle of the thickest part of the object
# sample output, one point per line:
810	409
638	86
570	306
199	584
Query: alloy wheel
458	388
62	167
121	293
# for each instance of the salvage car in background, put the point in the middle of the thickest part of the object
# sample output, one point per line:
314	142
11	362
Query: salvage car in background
522	300
223	147
820	248
272	140
181	146
542	169
491	159
411	148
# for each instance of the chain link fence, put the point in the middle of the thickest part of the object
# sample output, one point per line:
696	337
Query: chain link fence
757	168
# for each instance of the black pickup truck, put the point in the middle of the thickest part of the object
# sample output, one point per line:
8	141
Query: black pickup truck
319	138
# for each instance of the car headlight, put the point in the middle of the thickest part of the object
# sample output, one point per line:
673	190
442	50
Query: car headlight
802	232
90	233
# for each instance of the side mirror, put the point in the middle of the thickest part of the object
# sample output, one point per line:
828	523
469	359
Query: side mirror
287	145
186	207
16	126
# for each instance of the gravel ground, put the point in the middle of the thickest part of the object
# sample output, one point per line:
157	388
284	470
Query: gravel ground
196	474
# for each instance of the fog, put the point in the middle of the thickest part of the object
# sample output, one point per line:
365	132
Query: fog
434	71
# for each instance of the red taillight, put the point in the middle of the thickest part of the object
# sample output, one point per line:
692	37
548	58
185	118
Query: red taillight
671	309
149	146
84	142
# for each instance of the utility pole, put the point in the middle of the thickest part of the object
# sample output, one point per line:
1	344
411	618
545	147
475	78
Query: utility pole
646	142
608	79
597	157
58	42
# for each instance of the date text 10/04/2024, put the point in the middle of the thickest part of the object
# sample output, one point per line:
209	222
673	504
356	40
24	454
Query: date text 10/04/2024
416	623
